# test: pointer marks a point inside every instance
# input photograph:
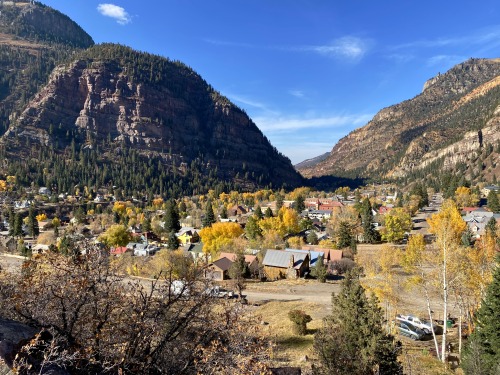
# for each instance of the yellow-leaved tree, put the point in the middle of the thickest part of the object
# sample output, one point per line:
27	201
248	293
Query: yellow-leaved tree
416	260
116	235
219	235
465	197
397	223
447	226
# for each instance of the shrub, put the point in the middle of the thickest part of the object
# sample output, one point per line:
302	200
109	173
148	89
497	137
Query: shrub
300	320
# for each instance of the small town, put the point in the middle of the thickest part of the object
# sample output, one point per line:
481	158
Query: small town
249	188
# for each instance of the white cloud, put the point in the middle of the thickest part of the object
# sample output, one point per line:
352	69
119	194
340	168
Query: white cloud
347	47
238	99
114	11
480	37
290	124
297	93
445	60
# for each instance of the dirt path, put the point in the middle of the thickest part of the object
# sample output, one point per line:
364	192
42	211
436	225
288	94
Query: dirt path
287	290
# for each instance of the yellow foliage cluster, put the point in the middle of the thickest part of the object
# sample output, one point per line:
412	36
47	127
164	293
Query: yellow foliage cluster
41	217
119	207
157	202
218	236
465	197
286	222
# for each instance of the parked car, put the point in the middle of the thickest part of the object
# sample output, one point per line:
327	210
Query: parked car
425	325
217	291
409	330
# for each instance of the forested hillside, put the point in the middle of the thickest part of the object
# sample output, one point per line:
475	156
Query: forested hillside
452	124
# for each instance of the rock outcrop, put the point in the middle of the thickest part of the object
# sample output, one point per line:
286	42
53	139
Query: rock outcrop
454	117
106	98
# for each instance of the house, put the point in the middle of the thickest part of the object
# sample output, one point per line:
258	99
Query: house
142	250
329	204
311	203
319	214
119	250
382	210
329	255
282	264
219	270
487	189
313	255
44	191
478	219
188	235
236	210
196	250
251	261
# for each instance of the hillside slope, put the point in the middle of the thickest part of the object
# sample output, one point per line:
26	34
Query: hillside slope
136	113
33	39
453	124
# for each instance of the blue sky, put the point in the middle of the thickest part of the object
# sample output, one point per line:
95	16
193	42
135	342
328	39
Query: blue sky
307	72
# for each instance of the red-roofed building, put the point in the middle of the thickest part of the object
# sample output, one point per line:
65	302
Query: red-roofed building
119	250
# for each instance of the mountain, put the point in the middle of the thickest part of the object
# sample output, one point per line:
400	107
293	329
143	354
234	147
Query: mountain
33	39
451	127
106	115
311	162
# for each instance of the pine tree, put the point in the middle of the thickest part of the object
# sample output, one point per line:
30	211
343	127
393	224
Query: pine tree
320	270
173	242
312	238
279	201
493	202
300	204
223	212
209	217
252	229
171	221
18	225
33	228
268	212
370	235
352	340
258	213
482	354
344	235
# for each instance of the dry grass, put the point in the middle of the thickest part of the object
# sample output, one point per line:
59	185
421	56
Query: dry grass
290	348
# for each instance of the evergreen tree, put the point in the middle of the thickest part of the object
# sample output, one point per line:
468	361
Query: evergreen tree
491	226
173	242
146	224
370	235
258	213
223	213
300	204
171	220
467	237
352	340
209	217
344	235
320	270
18	225
482	353
252	229
268	212
33	228
312	238
279	201
493	201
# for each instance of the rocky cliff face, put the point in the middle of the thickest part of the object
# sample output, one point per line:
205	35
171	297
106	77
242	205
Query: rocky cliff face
156	107
454	117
